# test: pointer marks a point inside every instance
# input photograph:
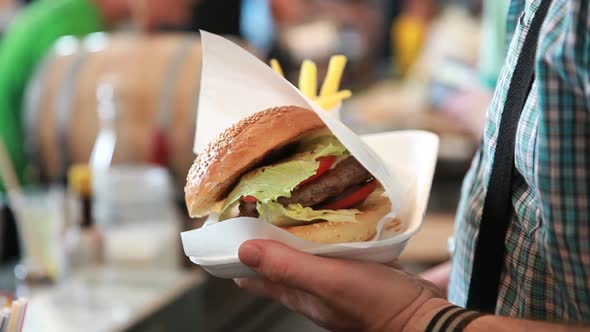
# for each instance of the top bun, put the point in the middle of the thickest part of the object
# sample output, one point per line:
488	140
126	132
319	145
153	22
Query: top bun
239	149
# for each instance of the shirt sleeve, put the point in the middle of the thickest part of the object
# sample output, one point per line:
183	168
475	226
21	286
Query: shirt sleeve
564	148
493	50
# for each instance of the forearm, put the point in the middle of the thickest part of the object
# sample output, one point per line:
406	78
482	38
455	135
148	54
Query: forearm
426	313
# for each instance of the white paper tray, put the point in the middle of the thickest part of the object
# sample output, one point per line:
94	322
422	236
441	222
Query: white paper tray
410	155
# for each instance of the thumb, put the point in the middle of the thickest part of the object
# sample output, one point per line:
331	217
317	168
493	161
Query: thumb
280	264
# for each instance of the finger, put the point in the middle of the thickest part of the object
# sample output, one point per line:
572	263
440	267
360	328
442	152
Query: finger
297	301
289	297
324	277
260	287
395	264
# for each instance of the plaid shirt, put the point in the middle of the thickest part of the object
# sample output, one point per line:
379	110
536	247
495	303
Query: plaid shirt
546	273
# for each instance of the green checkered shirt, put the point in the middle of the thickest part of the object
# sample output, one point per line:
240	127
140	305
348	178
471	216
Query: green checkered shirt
546	272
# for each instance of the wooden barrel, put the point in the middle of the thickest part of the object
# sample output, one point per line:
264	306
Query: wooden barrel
156	82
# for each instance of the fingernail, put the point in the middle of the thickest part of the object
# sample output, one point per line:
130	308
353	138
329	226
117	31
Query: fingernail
239	281
250	255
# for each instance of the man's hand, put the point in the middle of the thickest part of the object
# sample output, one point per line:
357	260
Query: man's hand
438	276
337	294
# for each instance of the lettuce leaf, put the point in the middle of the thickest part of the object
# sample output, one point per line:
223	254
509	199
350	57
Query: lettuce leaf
295	214
271	182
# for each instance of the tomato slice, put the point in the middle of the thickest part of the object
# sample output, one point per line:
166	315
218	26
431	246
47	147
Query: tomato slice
353	198
249	199
325	164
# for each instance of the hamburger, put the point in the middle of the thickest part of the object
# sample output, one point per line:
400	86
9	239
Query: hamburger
284	166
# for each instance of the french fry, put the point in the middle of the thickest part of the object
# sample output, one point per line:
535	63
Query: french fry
276	66
333	76
331	101
329	97
308	79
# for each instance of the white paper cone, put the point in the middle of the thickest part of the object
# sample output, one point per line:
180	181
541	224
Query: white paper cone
235	84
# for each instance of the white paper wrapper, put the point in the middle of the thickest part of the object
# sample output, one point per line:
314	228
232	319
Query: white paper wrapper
235	84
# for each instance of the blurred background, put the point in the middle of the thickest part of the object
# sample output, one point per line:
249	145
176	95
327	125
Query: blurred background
98	100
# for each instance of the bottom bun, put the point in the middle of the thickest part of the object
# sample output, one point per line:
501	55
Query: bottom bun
364	229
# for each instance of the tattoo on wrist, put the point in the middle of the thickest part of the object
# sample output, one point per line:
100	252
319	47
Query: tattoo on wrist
452	319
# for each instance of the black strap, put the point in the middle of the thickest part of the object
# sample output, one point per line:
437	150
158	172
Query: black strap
452	319
497	209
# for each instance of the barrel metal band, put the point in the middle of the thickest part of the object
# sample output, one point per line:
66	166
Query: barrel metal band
170	80
63	106
32	109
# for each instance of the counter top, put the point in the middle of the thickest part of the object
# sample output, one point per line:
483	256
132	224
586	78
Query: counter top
107	299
